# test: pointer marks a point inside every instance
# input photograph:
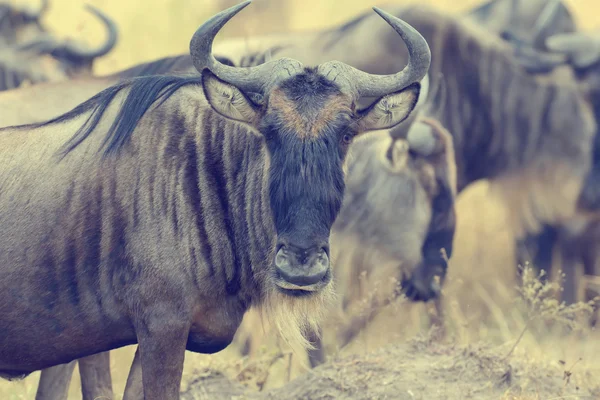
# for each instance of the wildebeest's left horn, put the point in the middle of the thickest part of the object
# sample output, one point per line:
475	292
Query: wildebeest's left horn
368	85
252	79
110	43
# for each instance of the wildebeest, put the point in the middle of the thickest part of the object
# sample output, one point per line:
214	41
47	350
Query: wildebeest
579	51
507	125
168	220
44	58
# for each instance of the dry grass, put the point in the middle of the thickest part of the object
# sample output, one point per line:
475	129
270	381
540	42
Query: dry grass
480	293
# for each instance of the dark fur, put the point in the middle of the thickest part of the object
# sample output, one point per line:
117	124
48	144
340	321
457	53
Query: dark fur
290	189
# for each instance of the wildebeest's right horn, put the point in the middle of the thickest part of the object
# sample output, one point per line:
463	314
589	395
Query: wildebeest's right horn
368	85
547	18
110	43
70	50
251	79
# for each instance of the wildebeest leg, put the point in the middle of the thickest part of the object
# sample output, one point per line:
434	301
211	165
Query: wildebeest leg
134	389
592	271
96	382
572	270
55	381
537	249
162	335
316	356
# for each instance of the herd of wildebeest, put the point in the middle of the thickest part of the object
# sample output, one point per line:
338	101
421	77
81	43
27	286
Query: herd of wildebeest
158	204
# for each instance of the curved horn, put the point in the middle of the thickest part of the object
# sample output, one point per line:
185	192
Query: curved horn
368	85
113	33
582	49
547	18
251	79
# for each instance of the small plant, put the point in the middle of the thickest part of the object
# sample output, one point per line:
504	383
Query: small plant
539	296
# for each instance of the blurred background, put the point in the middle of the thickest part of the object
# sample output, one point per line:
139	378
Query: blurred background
156	28
480	288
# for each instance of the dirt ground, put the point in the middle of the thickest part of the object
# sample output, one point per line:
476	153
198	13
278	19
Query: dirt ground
420	369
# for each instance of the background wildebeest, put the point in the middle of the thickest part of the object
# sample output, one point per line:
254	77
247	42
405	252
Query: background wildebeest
534	20
44	58
508	125
280	261
555	51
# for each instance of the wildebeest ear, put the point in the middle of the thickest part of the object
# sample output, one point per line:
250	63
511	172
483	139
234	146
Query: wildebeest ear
228	100
389	110
423	139
398	154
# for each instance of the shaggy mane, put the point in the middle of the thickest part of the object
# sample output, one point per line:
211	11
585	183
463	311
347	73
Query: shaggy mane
143	93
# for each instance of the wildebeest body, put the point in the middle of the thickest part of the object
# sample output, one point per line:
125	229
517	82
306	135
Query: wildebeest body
91	261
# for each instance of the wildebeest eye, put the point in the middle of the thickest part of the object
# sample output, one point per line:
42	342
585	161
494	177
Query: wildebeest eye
347	138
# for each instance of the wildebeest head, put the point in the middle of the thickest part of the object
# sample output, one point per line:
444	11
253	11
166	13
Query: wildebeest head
399	208
514	19
530	40
308	118
73	57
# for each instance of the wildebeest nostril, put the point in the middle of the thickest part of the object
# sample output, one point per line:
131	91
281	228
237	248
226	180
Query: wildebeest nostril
293	269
